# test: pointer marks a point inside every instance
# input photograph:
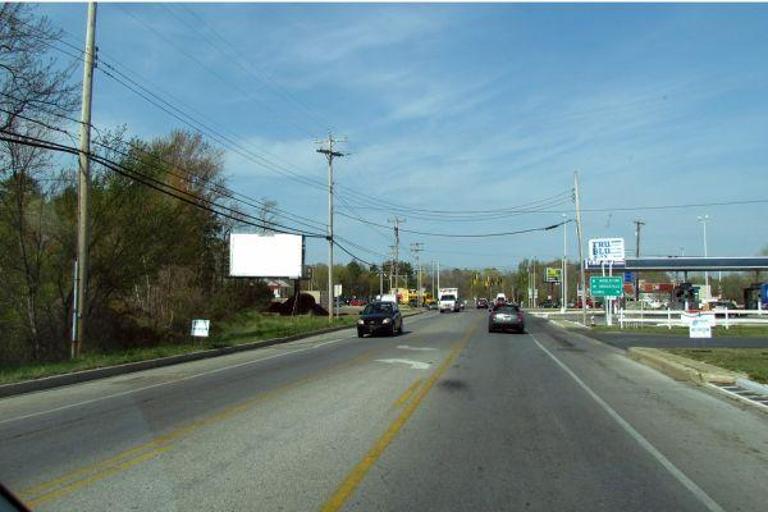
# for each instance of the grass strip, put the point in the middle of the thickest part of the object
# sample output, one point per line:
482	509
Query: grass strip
752	361
244	328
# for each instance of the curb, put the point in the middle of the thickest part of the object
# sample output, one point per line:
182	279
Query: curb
755	387
54	381
682	368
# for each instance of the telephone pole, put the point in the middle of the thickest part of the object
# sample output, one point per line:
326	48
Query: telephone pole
416	248
580	235
638	224
83	185
396	248
330	154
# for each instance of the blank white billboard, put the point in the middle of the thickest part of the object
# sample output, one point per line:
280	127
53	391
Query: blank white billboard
253	255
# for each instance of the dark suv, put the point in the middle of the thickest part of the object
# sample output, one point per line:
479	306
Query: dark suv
380	317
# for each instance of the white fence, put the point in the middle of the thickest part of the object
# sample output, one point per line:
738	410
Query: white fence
678	318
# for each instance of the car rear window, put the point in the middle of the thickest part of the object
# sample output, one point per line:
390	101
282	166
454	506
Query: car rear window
507	309
378	307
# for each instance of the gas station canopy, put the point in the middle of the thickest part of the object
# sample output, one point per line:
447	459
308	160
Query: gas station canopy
686	264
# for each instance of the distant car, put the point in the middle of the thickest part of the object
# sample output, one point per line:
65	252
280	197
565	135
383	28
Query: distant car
721	306
507	317
380	317
358	302
481	304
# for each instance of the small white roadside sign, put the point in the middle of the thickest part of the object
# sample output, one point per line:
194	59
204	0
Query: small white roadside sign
200	328
337	290
700	326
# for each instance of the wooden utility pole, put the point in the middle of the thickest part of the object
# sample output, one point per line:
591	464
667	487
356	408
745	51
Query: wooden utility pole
416	248
83	185
638	224
396	248
330	154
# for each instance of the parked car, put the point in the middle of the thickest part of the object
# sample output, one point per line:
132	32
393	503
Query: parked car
380	317
720	307
507	317
481	303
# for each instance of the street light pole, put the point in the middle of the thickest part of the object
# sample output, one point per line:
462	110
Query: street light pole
564	271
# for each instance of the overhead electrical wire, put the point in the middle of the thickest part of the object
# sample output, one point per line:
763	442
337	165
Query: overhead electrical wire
189	177
243	62
213	72
352	255
465	235
157	185
199	126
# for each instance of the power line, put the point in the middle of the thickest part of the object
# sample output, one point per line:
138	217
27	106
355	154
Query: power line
246	65
221	139
463	235
200	63
189	177
337	244
155	184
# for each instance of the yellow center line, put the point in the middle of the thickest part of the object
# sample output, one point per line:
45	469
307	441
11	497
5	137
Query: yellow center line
407	393
355	477
77	484
76	479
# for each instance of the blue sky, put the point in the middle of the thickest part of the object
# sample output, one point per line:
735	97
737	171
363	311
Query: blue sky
467	107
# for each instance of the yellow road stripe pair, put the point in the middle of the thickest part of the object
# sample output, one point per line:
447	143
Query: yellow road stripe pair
355	477
70	482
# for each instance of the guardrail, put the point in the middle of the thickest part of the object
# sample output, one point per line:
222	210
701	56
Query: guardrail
679	318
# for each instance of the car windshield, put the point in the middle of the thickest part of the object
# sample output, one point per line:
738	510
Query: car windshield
448	297
378	307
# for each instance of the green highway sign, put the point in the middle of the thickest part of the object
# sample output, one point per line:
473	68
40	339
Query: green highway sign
606	286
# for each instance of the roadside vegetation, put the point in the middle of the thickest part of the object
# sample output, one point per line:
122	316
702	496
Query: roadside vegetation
751	361
243	328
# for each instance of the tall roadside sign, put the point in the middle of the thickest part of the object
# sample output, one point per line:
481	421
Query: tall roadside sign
607	251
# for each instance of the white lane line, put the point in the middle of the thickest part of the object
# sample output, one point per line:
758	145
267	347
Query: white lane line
689	484
415	365
151	386
417	349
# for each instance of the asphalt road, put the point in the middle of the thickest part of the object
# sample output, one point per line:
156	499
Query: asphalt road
444	417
